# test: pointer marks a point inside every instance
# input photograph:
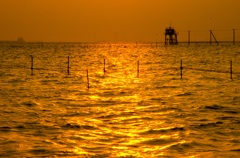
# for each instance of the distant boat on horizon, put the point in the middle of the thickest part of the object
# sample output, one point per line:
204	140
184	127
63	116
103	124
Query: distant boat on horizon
19	40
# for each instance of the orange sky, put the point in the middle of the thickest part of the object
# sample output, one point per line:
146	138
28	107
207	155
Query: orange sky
116	20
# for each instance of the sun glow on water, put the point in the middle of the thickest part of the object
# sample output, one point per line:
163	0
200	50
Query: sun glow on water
121	114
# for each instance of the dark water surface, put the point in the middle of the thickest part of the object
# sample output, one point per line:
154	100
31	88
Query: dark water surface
124	113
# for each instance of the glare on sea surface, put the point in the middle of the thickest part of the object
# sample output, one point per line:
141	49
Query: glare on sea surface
122	113
116	94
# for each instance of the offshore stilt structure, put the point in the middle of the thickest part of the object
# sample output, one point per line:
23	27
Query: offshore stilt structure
171	36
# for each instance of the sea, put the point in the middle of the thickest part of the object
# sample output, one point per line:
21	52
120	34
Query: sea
126	100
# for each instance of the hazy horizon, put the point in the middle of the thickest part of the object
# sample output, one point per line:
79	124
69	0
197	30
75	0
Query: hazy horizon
116	21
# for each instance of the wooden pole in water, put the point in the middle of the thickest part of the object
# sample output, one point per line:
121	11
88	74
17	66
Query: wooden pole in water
231	71
138	69
31	65
68	68
104	67
181	69
88	80
210	37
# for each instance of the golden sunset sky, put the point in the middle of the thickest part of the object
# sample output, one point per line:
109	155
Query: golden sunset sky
116	20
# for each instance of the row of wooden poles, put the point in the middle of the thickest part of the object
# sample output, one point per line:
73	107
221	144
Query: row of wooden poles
138	69
68	69
213	36
230	69
68	66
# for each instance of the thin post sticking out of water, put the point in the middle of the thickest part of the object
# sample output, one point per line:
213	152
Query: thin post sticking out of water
181	69
104	67
231	71
88	80
212	35
31	65
138	69
68	68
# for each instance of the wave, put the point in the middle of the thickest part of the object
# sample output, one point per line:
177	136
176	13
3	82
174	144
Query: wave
164	130
76	126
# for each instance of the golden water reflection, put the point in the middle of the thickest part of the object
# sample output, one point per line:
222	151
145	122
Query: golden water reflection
156	114
122	115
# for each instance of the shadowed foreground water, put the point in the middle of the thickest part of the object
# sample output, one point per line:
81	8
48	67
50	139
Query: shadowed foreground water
157	114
